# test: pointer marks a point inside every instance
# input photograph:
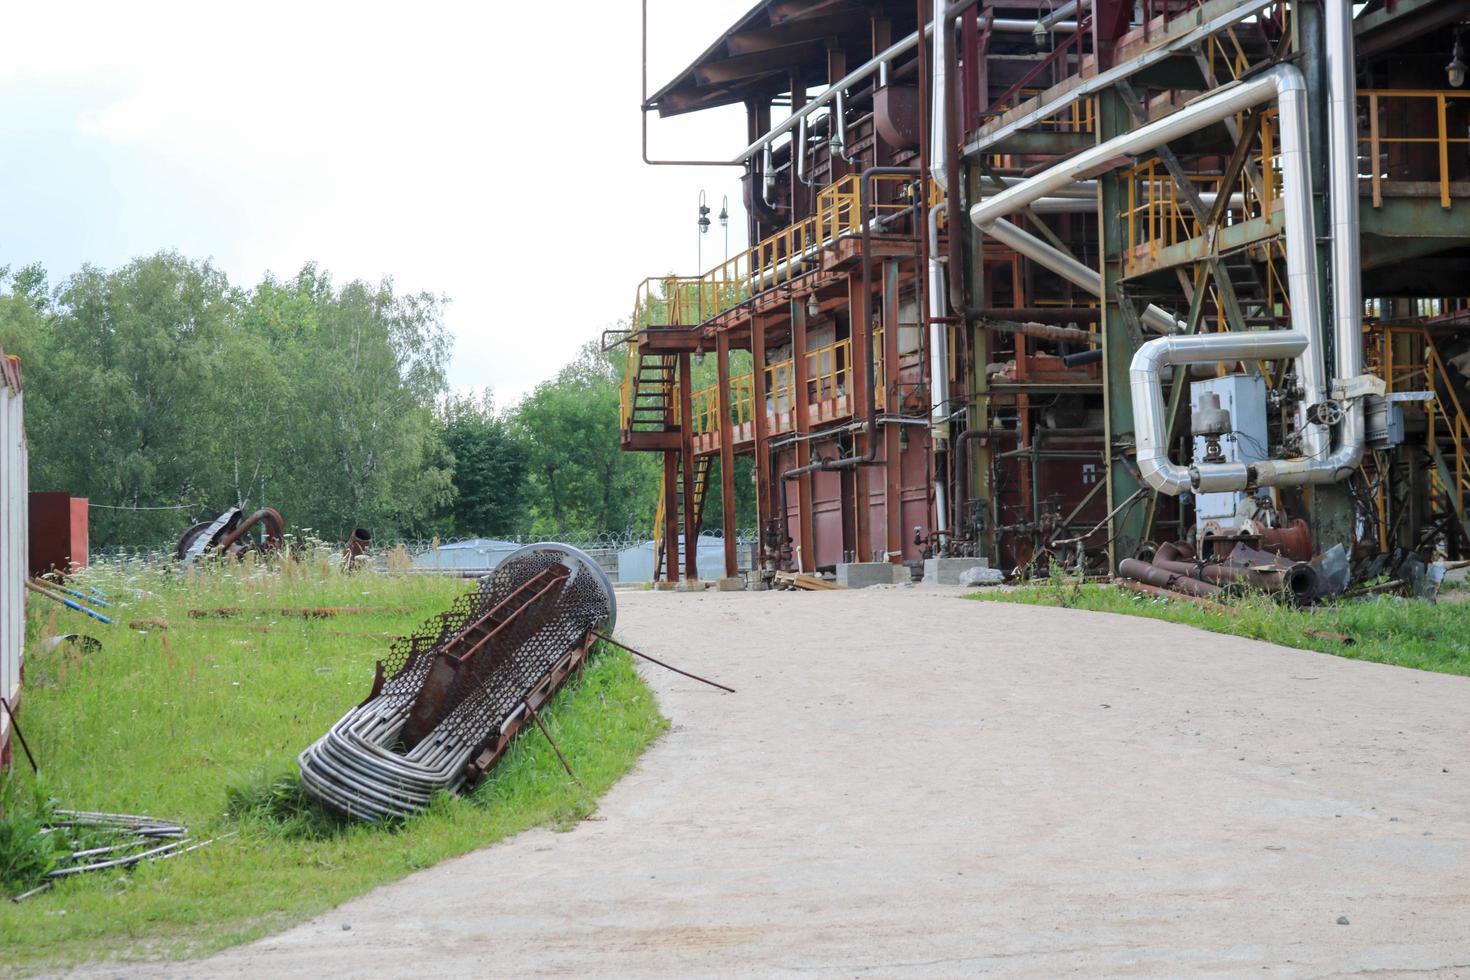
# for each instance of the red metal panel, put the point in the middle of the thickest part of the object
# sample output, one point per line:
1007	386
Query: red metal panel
58	532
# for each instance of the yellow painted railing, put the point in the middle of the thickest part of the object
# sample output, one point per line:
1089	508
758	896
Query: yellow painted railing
1425	369
1158	216
665	301
1414	143
828	376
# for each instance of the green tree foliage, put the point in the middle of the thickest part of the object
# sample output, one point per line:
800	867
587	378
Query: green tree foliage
578	476
490	461
159	385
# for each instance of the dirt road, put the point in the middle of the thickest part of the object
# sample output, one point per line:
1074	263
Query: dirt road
910	783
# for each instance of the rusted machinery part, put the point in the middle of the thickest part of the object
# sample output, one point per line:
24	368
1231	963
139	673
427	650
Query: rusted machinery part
275	530
1244	566
462	686
198	538
1293	541
579	562
1141	571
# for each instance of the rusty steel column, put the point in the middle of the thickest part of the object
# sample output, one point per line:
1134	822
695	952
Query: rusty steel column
761	430
727	454
858	307
805	539
892	449
671	516
686	459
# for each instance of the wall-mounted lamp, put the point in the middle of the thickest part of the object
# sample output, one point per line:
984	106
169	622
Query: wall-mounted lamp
1456	68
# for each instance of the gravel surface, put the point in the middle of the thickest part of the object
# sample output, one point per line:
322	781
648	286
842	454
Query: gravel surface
908	783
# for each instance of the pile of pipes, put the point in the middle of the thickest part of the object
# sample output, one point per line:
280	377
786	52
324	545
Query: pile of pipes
113	840
229	534
1277	567
447	701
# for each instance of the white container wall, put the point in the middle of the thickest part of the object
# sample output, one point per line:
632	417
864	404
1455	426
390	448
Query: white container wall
14	538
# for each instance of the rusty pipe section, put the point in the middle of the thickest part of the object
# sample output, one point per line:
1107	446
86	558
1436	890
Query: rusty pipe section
1244	567
275	530
1150	574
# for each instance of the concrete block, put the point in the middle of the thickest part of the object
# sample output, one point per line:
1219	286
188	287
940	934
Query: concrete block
736	584
691	585
946	571
861	574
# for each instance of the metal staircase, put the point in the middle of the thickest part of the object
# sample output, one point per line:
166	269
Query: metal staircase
701	486
1447	427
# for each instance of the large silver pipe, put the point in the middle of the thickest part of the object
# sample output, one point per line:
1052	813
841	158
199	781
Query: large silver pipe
1347	298
1064	265
799	148
1285	84
938	131
1065	10
939	407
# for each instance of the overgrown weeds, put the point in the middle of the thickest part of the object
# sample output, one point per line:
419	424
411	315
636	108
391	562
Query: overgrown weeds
201	722
1384	629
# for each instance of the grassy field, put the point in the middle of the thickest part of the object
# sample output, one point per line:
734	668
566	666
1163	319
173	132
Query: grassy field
1385	629
201	722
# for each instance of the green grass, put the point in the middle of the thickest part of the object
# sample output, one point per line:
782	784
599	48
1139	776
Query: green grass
202	723
1384	629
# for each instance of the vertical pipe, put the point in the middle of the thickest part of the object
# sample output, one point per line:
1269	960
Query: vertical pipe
892	434
806	560
686	457
761	430
860	393
727	455
671	515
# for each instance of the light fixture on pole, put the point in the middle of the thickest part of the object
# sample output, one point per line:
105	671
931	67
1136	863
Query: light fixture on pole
1039	33
725	223
703	230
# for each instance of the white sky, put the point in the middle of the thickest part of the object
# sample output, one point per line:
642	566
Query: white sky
488	152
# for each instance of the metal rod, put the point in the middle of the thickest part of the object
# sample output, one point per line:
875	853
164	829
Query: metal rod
550	741
636	653
16	725
68	603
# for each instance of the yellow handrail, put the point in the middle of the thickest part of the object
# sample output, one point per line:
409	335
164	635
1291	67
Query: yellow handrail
665	301
1157	217
1444	414
1391	125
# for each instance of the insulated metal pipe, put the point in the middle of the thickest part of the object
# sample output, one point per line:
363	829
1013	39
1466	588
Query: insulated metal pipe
1068	268
1347	298
939	407
938	118
1286	85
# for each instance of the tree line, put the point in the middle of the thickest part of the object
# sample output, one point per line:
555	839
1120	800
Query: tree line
165	394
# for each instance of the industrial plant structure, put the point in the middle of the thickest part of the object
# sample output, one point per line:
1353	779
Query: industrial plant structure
1053	282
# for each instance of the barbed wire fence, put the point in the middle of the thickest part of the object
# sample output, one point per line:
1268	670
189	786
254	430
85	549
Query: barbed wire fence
625	556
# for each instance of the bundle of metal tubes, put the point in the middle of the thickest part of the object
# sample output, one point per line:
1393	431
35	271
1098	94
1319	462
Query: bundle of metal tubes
446	701
1177	567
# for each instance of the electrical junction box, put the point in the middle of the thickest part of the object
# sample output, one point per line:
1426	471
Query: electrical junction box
1244	397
